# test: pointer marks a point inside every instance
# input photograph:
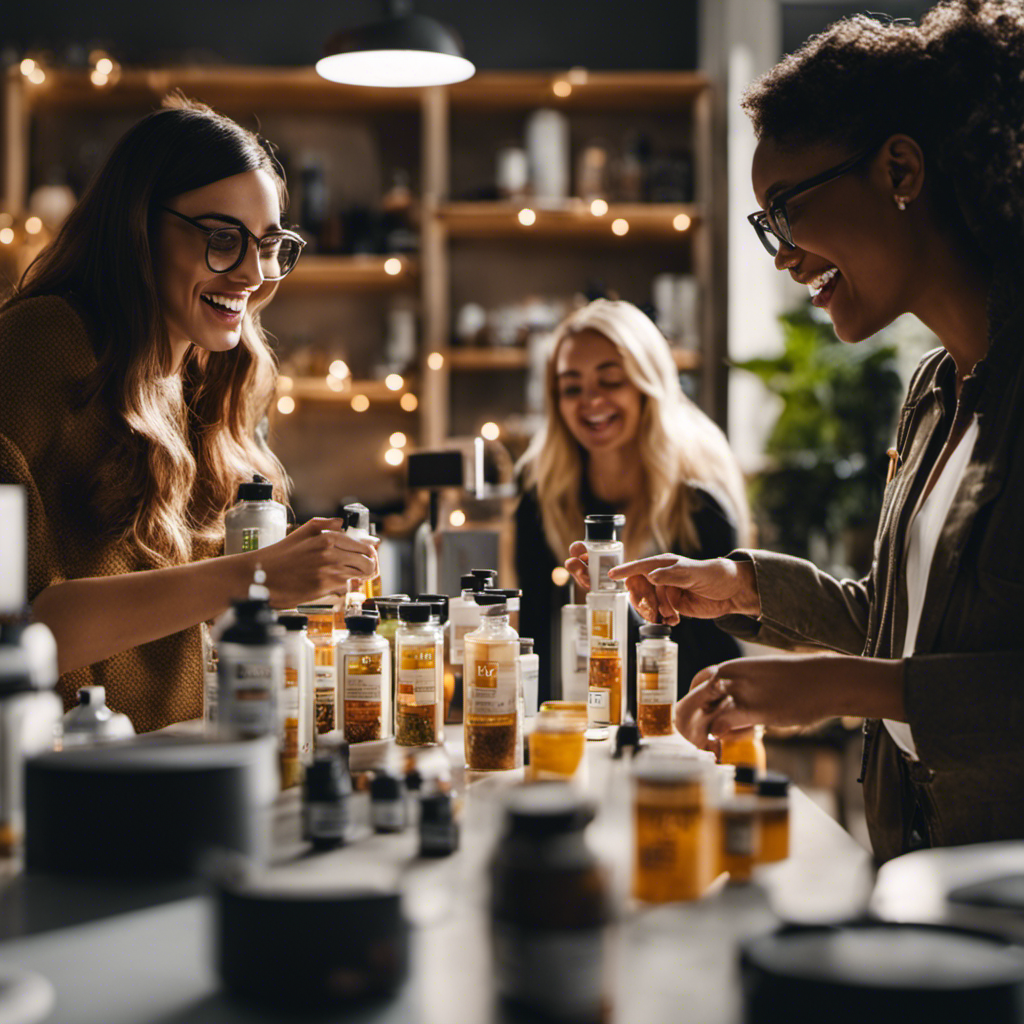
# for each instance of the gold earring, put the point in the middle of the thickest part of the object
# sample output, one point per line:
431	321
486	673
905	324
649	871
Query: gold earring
900	201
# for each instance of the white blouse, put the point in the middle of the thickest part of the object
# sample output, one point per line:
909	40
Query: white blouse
923	535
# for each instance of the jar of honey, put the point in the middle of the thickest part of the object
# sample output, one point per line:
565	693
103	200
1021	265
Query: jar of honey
673	838
556	744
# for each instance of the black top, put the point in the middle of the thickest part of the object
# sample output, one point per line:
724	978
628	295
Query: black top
701	642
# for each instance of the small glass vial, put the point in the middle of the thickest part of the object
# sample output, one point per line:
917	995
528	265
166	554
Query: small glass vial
557	745
657	669
744	747
439	831
494	728
575	644
740	836
387	803
529	672
320	630
296	705
419	705
604	549
607	616
326	794
250	672
673	858
257	521
773	810
364	681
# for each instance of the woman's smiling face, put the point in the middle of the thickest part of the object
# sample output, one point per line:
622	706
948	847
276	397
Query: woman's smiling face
199	306
852	245
596	399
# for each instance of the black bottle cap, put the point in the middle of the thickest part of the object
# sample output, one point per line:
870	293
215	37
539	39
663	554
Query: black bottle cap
255	623
655	632
526	645
258	489
292	622
385	786
387	607
603	527
773	784
488	575
437	601
746	775
471	582
395	597
362	624
414	611
627	736
506	592
436	808
547	810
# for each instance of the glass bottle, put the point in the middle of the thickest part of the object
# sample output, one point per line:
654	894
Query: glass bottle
439	614
529	672
358	526
320	630
257	520
604	549
745	747
773	810
657	669
296	706
494	728
364	681
607	616
556	745
512	598
740	835
250	671
420	682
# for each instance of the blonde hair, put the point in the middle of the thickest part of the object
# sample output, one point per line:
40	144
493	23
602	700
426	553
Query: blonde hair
679	444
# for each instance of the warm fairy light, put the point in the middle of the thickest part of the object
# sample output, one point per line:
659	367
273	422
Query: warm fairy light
409	402
620	226
599	207
560	576
99	78
393	266
561	88
33	225
360	403
490	431
286	404
457	518
394	456
398	440
104	65
6	236
681	222
28	65
335	383
394	382
37	76
435	360
339	368
285	383
527	217
578	75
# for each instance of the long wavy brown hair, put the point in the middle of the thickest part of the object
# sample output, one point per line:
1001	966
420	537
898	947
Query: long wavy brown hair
182	440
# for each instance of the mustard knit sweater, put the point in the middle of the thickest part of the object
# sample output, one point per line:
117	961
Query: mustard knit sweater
50	445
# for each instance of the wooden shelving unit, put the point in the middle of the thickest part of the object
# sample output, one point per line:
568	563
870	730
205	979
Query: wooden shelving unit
316	389
386	273
483	359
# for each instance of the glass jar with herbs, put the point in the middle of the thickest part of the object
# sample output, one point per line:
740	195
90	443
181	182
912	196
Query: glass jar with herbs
419	647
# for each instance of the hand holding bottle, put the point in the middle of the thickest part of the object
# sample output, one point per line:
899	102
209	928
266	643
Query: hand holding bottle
316	559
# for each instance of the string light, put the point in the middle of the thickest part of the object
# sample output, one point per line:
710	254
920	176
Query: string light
620	226
339	368
28	65
99	78
394	457
681	222
560	576
360	403
33	225
457	518
285	383
599	207
6	236
490	431
398	440
286	404
394	382
37	76
435	360
393	266
409	402
561	88
104	65
527	217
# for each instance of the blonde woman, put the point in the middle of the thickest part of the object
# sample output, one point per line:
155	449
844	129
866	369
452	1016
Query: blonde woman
622	437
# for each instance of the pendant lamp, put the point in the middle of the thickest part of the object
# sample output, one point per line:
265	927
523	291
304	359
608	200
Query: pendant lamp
404	50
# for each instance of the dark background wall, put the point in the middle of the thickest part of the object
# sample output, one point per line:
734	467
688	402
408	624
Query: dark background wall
800	20
611	34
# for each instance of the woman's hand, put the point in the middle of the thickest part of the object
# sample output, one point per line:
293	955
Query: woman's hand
316	559
578	565
794	690
664	587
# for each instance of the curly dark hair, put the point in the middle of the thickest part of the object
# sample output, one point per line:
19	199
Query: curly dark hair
954	83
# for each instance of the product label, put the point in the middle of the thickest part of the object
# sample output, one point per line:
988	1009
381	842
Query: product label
325	688
599	700
326	820
601	563
738	834
491	687
364	677
247	700
559	974
290	694
657	680
602	625
417	675
251	538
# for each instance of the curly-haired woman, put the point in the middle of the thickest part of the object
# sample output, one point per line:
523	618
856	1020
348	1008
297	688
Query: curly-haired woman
622	437
133	375
890	172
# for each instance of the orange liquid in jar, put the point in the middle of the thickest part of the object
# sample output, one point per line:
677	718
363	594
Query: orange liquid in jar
744	747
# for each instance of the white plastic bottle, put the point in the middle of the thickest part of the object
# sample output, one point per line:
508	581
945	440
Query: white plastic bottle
257	521
296	708
529	673
358	526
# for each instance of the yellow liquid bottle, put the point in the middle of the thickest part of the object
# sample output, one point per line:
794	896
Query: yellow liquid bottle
320	630
420	698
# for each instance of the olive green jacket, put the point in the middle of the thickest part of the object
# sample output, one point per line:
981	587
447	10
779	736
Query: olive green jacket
964	688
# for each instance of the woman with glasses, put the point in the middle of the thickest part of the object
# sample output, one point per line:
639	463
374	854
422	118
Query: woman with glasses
134	374
890	171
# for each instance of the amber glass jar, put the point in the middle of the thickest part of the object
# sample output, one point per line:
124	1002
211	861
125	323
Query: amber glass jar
773	811
744	747
557	745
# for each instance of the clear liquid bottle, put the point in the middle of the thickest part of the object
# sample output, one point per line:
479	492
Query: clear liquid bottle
257	520
320	630
419	649
604	549
364	681
296	707
657	668
494	725
607	616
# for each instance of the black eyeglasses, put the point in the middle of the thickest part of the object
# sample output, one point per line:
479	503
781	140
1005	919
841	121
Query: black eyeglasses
226	247
772	225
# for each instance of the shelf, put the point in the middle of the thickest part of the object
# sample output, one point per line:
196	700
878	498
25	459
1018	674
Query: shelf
601	90
314	272
316	389
484	359
228	88
572	221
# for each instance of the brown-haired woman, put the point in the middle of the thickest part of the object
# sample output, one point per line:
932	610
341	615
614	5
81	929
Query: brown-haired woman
890	171
133	376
